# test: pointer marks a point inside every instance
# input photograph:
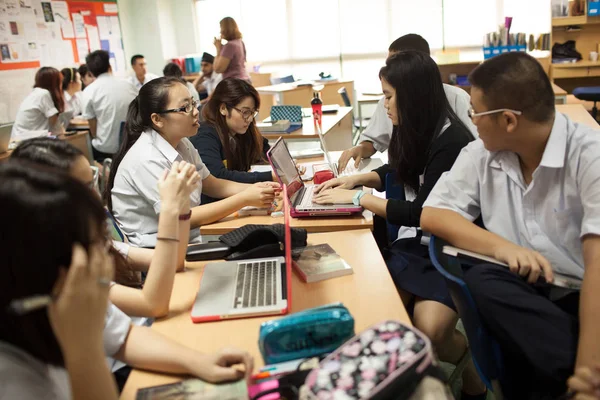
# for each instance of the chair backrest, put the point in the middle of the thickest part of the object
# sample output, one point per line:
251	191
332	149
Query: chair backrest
283	79
345	98
485	350
393	190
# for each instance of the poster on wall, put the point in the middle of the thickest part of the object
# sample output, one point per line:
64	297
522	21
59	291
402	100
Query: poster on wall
79	26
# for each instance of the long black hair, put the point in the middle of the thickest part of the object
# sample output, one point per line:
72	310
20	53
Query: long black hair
422	108
61	211
153	98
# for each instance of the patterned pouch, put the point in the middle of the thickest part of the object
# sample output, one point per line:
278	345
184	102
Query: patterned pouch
290	113
386	361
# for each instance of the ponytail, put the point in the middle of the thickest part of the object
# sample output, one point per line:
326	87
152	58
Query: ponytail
153	98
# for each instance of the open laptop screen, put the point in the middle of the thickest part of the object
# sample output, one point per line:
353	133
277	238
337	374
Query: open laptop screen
285	168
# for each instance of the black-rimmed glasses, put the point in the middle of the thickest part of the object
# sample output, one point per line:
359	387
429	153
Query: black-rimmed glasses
187	108
247	114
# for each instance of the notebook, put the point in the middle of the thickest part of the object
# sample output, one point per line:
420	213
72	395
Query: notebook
319	262
300	195
247	288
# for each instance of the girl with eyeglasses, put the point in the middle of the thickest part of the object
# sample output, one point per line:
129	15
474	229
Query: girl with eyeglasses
228	140
159	122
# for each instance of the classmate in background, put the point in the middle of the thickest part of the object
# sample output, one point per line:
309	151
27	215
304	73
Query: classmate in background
140	76
72	264
41	108
72	94
229	141
208	81
106	101
426	139
173	70
86	76
534	178
377	134
231	57
159	122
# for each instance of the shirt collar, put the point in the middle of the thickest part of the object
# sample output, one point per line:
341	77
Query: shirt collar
554	153
163	146
67	96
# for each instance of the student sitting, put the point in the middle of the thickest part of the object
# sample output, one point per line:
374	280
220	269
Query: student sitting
534	178
140	76
208	81
377	134
41	108
426	139
106	100
86	76
72	265
229	141
173	70
71	86
159	122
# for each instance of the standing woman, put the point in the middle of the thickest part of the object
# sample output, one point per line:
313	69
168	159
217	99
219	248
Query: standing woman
231	57
41	108
229	141
72	94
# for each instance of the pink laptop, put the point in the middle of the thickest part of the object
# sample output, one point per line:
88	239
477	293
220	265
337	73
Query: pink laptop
247	288
300	195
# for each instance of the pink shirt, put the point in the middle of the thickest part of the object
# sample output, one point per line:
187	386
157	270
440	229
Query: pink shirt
235	50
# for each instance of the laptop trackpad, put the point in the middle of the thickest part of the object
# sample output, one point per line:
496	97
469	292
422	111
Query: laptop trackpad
215	296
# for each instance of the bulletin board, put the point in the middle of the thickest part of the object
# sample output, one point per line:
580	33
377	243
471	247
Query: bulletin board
58	33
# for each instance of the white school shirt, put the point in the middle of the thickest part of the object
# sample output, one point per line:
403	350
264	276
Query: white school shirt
210	83
193	91
133	80
379	129
107	100
73	108
24	377
34	112
552	214
135	196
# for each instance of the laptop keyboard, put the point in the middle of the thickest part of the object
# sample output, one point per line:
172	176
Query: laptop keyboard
349	170
255	284
307	197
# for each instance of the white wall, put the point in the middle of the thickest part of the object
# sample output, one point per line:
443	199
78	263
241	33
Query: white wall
158	29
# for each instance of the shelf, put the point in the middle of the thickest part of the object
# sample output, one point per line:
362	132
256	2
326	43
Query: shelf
579	20
578	64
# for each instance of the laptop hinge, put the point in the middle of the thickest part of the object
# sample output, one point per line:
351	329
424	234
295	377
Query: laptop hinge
284	294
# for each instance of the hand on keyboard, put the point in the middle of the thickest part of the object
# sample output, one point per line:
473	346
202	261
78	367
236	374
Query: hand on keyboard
334	196
346	182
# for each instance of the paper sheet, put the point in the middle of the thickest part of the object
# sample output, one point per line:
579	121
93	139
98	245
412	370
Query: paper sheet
4	31
26	10
47	10
54	32
33	51
30	31
93	37
61	15
12	8
82	49
115	28
111	8
103	27
79	26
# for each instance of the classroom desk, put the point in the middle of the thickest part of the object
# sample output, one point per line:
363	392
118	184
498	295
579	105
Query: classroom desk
80	140
78	123
369	294
560	94
578	113
336	127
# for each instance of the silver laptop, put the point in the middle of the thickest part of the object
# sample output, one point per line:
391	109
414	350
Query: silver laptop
5	131
247	288
365	165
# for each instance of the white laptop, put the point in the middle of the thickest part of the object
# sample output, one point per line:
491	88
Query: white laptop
247	288
5	132
365	165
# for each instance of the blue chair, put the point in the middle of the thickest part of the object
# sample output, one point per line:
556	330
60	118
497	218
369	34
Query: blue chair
484	348
283	79
590	93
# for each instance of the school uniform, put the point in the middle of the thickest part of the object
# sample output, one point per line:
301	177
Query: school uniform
408	261
34	113
135	196
73	108
210	148
107	100
24	377
211	82
134	81
535	325
379	129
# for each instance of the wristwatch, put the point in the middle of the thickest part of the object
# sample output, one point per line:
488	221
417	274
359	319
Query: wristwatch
357	197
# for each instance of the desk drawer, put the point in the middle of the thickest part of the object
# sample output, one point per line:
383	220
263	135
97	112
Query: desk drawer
558	73
594	71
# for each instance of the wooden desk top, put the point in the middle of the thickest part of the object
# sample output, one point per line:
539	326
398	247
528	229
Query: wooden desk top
308	130
558	91
578	113
78	122
80	134
369	294
286	87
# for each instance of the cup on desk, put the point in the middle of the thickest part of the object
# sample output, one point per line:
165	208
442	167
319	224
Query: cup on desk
594	56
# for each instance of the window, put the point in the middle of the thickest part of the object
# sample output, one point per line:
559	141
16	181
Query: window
423	17
467	21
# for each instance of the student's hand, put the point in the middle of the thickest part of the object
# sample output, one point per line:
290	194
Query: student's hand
525	262
301	168
176	185
81	297
261	194
354	152
225	365
334	196
585	383
346	182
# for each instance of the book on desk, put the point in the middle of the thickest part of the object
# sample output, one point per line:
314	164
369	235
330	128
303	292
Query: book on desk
320	262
